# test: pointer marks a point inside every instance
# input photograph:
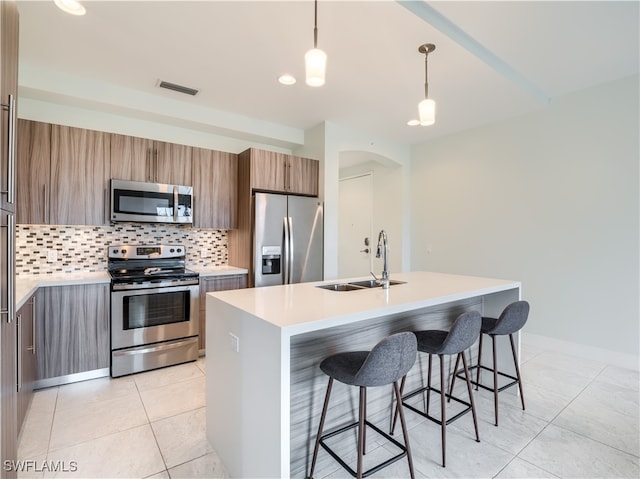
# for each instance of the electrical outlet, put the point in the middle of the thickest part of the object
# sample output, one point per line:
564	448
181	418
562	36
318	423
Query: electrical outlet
52	255
234	342
203	253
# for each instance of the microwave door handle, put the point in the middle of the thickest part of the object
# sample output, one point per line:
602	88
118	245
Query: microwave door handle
175	204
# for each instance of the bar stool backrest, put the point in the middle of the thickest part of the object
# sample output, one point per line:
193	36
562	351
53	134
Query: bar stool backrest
388	361
512	318
464	332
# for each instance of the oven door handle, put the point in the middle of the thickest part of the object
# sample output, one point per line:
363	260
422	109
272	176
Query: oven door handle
162	347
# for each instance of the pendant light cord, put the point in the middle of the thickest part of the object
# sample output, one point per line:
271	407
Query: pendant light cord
426	76
315	25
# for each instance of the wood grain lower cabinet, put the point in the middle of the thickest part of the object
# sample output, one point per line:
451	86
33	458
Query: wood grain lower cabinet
72	330
26	357
215	188
79	174
215	283
8	347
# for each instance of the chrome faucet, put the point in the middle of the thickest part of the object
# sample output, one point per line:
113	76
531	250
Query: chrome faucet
383	250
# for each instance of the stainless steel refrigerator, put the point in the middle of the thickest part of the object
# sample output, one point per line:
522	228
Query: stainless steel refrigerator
287	239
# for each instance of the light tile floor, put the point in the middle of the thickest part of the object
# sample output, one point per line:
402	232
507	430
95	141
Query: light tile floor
581	421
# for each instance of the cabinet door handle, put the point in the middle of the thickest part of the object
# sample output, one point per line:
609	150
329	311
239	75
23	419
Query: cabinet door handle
11	160
155	164
10	309
46	204
287	176
176	199
19	355
106	207
33	327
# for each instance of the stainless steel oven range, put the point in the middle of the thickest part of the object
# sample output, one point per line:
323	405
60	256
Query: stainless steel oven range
154	308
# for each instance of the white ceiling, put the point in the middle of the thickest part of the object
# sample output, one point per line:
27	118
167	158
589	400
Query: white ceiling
493	60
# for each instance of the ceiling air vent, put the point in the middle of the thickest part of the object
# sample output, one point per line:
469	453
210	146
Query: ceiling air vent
179	88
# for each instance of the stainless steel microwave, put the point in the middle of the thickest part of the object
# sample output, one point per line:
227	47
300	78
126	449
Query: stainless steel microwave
137	201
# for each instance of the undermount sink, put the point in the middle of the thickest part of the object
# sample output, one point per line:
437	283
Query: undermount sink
339	287
355	285
372	283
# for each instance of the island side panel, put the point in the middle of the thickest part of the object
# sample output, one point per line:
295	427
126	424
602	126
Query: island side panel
244	391
308	383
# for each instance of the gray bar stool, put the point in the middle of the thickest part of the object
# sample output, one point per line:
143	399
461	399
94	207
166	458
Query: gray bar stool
385	364
511	320
463	333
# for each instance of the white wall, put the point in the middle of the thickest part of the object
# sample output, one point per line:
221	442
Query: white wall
551	199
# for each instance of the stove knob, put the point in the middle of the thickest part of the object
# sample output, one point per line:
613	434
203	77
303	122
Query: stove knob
179	250
123	251
171	250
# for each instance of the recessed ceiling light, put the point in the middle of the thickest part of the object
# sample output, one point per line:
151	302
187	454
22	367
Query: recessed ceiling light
70	6
413	122
287	79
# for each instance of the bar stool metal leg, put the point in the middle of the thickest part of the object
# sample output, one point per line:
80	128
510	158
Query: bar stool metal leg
495	377
320	427
361	428
479	362
403	423
515	362
473	405
428	386
443	413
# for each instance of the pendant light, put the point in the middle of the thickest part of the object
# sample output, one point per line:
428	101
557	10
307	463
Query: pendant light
315	60
427	107
70	6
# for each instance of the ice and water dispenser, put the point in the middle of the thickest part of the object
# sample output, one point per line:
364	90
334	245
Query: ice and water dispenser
271	256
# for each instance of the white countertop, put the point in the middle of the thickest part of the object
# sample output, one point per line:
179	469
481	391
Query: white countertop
26	285
205	271
301	308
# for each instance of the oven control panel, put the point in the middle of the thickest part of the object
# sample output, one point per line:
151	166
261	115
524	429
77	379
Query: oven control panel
146	252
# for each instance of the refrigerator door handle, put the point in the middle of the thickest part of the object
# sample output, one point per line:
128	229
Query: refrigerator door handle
285	256
291	256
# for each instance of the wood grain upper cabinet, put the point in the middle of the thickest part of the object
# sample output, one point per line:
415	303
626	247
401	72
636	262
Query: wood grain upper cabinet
130	157
303	176
278	172
141	159
33	174
268	170
79	176
215	188
172	163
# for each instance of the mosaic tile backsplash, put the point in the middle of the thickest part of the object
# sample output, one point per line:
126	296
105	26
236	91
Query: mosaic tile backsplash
84	248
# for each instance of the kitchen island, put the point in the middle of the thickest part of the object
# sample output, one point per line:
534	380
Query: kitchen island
264	388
